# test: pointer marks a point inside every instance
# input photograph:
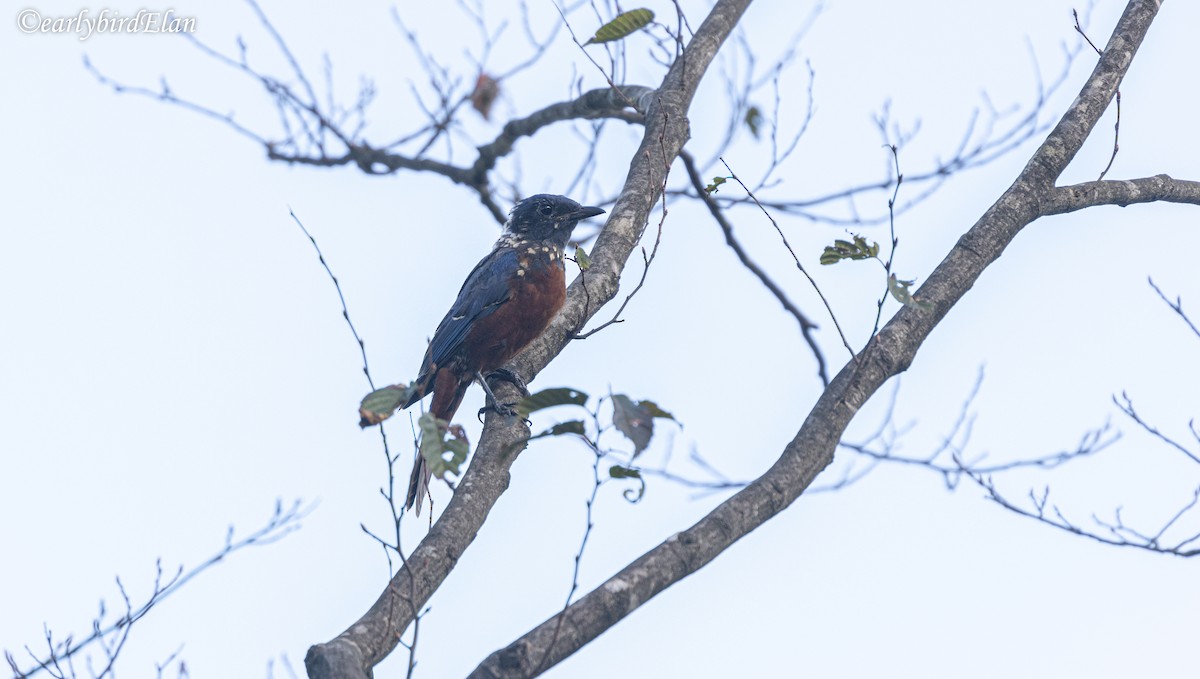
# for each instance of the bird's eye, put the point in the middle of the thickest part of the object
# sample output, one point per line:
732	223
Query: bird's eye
546	210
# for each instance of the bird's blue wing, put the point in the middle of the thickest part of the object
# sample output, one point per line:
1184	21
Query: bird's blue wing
486	288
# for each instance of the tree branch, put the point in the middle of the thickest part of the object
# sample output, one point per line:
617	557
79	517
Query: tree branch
309	147
889	353
1122	192
365	643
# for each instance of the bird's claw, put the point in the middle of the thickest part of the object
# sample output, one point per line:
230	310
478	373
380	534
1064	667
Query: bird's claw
501	409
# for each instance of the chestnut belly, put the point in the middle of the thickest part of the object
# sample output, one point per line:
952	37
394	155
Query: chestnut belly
535	298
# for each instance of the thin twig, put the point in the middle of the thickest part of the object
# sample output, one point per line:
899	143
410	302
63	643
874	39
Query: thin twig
1176	306
1118	534
1126	406
282	522
598	454
887	266
646	260
1117	124
795	259
806	325
390	493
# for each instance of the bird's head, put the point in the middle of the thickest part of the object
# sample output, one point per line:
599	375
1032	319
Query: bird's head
546	217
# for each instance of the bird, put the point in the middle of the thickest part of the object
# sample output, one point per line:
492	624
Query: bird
507	300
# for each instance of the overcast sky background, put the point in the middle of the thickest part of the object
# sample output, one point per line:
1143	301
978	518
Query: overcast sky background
173	360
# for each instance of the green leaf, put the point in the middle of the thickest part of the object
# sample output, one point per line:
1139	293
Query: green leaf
548	398
753	120
634	421
568	427
582	258
716	182
620	472
842	249
443	456
899	290
622	25
381	404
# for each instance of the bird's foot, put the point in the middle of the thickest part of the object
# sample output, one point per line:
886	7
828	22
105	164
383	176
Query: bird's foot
501	409
493	404
510	377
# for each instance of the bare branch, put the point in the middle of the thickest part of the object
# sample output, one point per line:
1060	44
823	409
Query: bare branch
111	636
806	325
989	134
947	459
1122	192
1176	306
309	147
1126	406
796	260
1115	532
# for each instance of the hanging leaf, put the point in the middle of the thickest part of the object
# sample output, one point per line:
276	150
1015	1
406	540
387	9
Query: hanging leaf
381	404
622	25
487	89
635	419
582	258
568	427
442	456
899	290
548	398
635	422
841	249
619	472
754	120
716	182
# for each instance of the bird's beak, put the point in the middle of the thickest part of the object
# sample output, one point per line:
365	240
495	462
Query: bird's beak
585	212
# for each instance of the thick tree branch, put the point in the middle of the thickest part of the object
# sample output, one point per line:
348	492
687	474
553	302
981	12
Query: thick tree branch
354	652
889	353
1121	192
607	102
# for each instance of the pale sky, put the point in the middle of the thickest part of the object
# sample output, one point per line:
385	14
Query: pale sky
173	358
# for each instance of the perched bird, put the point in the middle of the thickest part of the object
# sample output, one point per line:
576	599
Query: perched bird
507	300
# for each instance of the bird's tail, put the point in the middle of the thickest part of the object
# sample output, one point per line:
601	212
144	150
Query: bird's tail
448	392
418	484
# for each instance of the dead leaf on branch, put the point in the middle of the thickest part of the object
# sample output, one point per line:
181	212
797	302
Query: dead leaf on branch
487	89
381	404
